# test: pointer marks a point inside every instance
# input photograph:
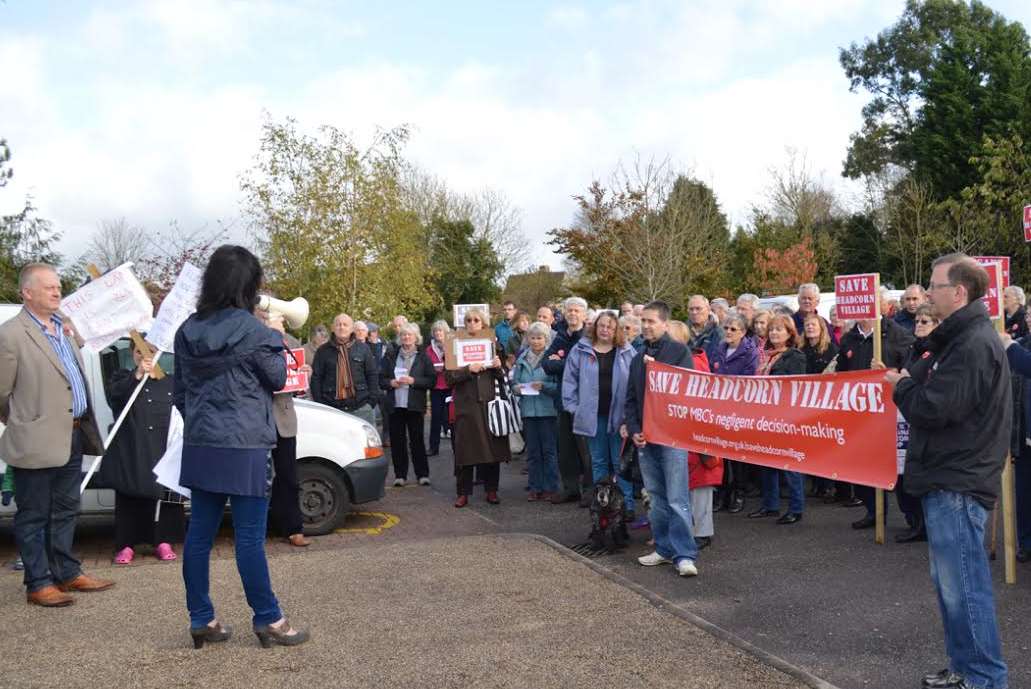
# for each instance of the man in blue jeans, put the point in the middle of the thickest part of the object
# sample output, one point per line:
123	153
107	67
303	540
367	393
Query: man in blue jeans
663	469
957	401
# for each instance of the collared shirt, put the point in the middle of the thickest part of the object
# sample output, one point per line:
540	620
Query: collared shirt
71	367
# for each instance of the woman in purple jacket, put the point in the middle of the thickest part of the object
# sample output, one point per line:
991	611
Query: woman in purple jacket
738	355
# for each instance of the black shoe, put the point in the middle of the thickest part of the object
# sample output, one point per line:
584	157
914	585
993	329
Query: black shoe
703	542
211	634
911	536
762	512
946	679
718	506
1023	555
790	518
283	636
864	523
737	502
853	502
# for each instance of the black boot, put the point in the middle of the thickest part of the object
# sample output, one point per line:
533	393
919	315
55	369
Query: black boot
737	502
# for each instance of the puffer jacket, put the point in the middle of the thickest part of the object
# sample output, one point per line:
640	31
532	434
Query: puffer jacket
742	362
580	388
534	405
227	366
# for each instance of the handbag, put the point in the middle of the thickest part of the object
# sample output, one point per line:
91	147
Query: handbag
503	415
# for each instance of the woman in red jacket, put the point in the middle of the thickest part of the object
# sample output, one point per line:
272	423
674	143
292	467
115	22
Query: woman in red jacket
705	474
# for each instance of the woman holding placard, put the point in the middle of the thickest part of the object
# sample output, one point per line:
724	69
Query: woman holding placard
783	358
473	387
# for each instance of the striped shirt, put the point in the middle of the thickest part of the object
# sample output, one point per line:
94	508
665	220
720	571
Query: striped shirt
71	367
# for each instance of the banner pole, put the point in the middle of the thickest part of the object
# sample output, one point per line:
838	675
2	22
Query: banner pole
1008	497
877	354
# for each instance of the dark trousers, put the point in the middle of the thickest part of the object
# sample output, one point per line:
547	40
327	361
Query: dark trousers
573	457
134	521
285	501
438	418
250	521
909	505
405	435
868	496
490	474
44	526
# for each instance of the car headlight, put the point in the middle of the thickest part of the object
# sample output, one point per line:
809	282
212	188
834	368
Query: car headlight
373	444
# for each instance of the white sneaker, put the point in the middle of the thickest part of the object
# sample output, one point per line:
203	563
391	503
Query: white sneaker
651	560
424	481
686	568
399	482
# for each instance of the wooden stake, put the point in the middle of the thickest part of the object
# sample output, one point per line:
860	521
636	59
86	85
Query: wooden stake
877	354
1008	496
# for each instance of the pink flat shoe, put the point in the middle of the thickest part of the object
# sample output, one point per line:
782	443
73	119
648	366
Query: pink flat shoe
124	556
165	553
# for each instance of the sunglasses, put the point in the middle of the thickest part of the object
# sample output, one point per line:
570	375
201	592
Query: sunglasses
924	321
473	320
733	329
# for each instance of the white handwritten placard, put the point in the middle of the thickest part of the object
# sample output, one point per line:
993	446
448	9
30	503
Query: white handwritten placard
176	308
108	307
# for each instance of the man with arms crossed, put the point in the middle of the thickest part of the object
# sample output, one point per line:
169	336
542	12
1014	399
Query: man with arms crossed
957	402
44	401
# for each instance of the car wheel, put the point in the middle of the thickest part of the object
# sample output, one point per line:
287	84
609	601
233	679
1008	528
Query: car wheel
325	501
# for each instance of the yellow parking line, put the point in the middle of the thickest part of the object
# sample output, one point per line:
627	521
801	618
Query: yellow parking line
389	522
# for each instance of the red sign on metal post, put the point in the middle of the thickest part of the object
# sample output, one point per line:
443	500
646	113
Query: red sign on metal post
993	298
855	296
1027	223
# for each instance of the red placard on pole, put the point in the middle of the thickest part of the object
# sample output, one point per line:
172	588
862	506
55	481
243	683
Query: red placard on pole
855	296
1003	260
1027	223
993	298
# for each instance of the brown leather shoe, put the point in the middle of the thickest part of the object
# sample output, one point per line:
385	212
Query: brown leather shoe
86	584
299	540
50	597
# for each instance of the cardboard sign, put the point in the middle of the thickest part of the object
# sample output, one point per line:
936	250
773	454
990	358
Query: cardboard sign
296	381
856	296
474	351
1004	260
177	306
1027	223
993	297
108	307
460	309
841	426
451	344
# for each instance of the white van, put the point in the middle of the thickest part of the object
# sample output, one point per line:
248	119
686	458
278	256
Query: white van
827	300
340	457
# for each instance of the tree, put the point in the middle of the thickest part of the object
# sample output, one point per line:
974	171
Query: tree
5	157
783	271
24	238
465	267
656	234
330	221
942	77
115	242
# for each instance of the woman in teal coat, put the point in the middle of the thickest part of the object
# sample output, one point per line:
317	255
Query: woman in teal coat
536	392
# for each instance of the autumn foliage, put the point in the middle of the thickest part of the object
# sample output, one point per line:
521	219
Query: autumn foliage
782	271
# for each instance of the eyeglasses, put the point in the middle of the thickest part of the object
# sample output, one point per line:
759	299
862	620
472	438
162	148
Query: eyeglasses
936	285
924	321
473	320
732	329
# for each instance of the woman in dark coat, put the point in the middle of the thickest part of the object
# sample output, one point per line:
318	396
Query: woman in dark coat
783	359
737	355
472	387
818	344
227	367
407	373
128	464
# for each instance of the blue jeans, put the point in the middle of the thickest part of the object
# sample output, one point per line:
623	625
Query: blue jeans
771	490
44	525
664	470
539	432
250	517
963	580
605	448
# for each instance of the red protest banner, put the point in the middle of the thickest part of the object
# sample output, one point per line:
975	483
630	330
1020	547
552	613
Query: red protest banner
841	426
855	296
295	380
993	297
1027	223
1004	260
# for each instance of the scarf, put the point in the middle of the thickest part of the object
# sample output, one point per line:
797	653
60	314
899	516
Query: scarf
534	360
345	384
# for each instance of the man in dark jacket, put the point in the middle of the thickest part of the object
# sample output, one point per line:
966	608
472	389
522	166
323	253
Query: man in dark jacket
856	354
573	463
706	333
957	402
912	298
345	373
664	469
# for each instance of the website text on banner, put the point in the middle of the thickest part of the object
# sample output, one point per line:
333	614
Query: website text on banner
841	426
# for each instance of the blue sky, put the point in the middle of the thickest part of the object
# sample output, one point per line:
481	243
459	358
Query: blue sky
151	110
